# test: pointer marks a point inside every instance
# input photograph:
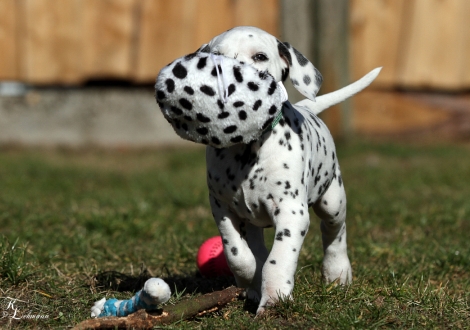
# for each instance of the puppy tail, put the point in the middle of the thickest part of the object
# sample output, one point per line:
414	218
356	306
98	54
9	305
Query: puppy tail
327	100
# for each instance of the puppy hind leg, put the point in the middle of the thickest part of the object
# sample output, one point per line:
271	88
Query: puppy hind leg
331	208
255	239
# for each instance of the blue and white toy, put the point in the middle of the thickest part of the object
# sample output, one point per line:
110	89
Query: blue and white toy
155	292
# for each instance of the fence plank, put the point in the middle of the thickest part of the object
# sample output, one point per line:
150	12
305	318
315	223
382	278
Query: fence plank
465	72
207	28
108	27
432	56
9	65
260	13
332	59
166	32
376	28
52	43
171	29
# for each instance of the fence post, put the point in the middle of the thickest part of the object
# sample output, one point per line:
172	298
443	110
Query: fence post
332	59
319	29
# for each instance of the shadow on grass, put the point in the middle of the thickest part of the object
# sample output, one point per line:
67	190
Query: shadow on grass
191	283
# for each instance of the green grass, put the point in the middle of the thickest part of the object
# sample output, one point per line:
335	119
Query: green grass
78	226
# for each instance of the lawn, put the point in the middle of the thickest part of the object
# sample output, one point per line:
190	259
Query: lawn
80	225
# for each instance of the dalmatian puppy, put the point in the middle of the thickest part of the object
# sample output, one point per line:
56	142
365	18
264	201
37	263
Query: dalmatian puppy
272	180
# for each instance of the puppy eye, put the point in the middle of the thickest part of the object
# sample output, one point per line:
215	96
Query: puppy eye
216	53
259	57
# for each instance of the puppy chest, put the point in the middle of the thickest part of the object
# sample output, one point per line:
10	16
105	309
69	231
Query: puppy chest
241	190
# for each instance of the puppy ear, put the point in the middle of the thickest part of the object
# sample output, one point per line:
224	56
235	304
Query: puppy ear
204	49
304	76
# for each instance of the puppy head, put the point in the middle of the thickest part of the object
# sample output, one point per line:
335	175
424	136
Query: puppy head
264	52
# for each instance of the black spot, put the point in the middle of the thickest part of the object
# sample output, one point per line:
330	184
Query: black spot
230	129
283	49
202	63
318	77
263	75
190	56
202	118
170	85
202	130
215	140
224	240
295	82
287	232
188	118
238	104
272	110
307	80
285	74
272	262
257	105
185	104
176	111
223	115
185	127
234	251
189	90
220	104
253	86
237	74
267	123
289	282
237	139
214	72
180	71
207	90
277	211
300	58
272	87
242	115
231	89
303	233
160	95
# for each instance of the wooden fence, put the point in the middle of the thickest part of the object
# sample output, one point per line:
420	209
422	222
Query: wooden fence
68	42
421	44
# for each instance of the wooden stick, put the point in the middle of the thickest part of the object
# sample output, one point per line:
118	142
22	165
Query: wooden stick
183	310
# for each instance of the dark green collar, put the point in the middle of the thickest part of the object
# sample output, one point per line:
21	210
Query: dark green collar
276	120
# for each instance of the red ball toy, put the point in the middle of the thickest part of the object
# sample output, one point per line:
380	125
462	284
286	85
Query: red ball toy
211	259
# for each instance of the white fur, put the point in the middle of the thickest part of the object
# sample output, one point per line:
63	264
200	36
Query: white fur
325	101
